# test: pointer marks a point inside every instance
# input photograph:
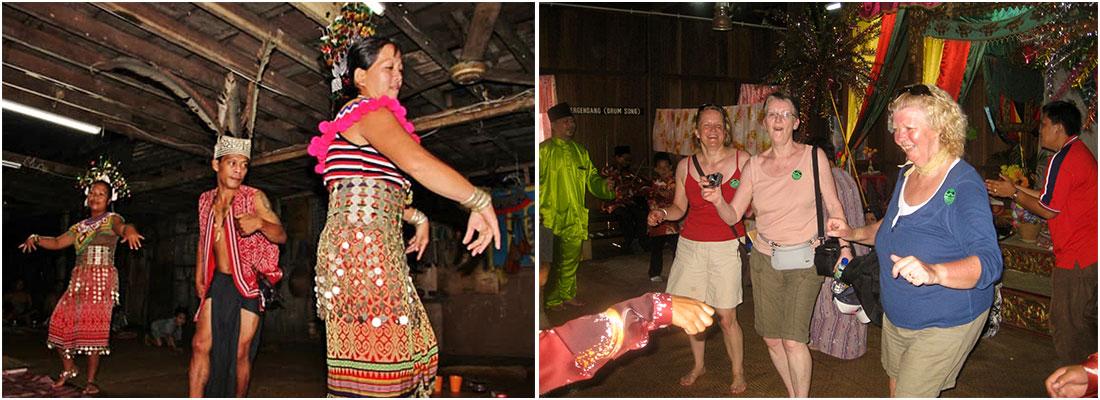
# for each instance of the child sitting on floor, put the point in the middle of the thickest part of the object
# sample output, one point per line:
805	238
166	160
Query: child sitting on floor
167	330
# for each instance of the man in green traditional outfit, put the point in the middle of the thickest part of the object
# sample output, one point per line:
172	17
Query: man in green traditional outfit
565	171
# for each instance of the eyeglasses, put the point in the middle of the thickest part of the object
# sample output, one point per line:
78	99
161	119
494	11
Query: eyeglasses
783	115
915	90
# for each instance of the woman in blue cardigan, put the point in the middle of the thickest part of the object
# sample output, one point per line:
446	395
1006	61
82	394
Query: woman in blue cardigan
937	249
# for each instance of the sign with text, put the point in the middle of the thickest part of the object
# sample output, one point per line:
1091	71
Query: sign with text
606	110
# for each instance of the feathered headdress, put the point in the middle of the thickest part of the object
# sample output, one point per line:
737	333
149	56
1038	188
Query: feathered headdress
103	170
354	22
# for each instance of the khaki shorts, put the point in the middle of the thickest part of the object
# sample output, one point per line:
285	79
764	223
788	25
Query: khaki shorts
926	361
707	271
783	301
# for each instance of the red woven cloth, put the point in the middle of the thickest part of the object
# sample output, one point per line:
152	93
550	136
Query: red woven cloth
251	256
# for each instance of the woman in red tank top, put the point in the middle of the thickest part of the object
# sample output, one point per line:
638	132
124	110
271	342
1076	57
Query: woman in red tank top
707	266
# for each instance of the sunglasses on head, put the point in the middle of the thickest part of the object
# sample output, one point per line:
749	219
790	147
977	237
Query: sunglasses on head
915	90
707	106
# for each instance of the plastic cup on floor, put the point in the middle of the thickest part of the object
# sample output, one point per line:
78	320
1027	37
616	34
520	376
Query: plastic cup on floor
456	383
438	385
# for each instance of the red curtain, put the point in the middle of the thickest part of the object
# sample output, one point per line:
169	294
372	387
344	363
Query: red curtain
953	66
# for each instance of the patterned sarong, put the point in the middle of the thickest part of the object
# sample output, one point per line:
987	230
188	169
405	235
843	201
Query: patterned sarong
380	342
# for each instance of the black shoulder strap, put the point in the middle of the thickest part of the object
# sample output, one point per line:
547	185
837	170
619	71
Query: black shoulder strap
817	196
698	168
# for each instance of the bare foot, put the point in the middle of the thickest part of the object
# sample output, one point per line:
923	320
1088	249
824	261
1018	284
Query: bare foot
689	379
739	385
64	377
91	389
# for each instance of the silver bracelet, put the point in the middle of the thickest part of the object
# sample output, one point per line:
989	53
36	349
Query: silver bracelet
478	200
418	218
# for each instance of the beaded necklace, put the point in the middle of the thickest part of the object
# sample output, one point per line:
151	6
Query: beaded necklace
86	230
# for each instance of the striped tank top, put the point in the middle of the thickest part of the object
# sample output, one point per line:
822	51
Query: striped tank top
346	159
339	158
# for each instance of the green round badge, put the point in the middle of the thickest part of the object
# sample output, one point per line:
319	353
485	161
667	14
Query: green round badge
796	174
734	183
949	196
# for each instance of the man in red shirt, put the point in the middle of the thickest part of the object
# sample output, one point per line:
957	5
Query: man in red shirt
1068	202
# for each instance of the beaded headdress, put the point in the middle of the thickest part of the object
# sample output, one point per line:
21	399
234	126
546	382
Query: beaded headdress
353	23
103	170
231	145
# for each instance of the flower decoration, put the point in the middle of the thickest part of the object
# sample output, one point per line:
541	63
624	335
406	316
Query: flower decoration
354	21
1015	174
103	170
1018	176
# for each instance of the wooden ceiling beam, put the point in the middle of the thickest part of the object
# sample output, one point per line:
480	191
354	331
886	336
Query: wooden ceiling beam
66	17
399	16
150	19
254	25
506	32
427	86
321	13
523	102
479	31
108	121
418	84
97	93
38	164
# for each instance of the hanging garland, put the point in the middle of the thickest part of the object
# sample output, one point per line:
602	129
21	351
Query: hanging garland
819	54
1067	43
354	22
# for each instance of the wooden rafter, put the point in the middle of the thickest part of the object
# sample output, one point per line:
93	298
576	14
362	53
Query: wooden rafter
113	122
480	30
321	13
39	164
150	19
399	16
85	91
69	19
252	24
520	51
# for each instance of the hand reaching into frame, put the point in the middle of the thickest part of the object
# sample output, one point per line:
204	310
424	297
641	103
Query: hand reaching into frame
692	315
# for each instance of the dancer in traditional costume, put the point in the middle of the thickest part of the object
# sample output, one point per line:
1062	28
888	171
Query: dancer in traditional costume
81	322
380	342
238	237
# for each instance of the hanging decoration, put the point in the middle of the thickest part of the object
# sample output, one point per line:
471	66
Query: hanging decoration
103	170
1067	43
355	21
819	53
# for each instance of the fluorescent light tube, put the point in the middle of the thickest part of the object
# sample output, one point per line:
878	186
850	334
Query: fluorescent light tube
376	7
51	117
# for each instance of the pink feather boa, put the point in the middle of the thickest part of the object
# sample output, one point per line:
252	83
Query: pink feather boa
318	146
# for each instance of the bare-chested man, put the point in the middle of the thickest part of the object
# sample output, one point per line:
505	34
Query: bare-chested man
238	233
